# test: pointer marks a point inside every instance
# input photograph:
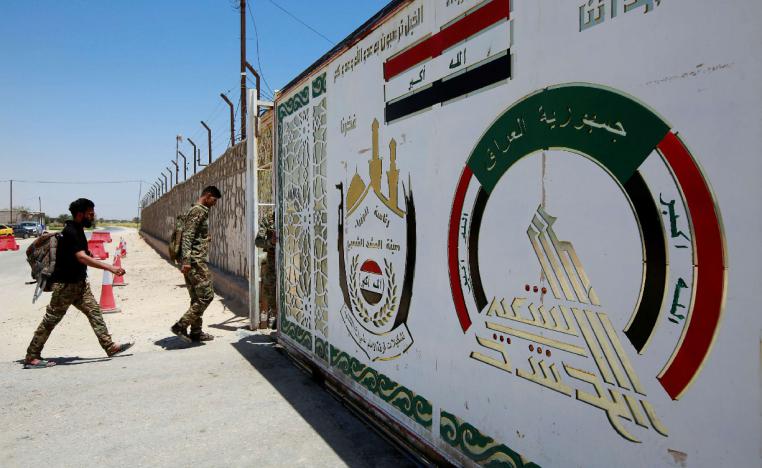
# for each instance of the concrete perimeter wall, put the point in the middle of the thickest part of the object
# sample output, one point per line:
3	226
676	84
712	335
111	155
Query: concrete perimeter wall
227	219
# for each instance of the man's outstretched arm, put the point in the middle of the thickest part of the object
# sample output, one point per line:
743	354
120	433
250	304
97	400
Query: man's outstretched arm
87	260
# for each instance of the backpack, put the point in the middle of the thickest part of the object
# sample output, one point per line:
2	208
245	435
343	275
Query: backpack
41	256
176	240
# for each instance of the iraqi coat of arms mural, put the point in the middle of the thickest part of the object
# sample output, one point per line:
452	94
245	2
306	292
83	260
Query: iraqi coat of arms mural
376	243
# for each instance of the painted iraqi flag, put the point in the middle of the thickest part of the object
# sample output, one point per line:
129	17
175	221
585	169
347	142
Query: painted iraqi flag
371	282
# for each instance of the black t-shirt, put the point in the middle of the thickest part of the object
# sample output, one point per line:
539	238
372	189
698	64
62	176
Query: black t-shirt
68	269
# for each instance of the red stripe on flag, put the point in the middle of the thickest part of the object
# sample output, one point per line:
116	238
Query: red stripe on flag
709	285
371	267
452	249
471	24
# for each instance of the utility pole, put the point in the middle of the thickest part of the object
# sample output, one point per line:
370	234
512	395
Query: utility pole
243	70
11	213
209	140
232	118
185	165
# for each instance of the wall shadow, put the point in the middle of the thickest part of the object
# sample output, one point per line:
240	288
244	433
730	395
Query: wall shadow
235	306
351	439
237	322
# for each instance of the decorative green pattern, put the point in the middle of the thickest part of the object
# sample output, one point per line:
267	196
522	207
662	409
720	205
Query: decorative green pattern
318	86
477	446
294	103
321	348
295	332
411	405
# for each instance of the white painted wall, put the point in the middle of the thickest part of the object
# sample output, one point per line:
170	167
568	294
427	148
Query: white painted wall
694	65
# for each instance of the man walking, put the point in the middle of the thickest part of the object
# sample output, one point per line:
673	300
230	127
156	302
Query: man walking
194	252
70	287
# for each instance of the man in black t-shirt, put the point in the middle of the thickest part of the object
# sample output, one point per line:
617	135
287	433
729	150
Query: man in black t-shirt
70	287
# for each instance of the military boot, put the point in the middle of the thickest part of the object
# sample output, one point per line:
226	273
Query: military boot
181	332
199	336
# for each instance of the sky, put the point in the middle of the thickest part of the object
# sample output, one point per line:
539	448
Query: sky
96	91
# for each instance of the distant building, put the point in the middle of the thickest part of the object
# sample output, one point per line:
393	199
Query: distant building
21	216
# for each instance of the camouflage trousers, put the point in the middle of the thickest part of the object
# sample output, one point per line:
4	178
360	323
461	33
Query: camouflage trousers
267	287
78	295
201	289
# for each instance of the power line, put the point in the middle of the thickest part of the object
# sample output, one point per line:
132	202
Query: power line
89	182
259	62
262	92
212	120
303	23
215	121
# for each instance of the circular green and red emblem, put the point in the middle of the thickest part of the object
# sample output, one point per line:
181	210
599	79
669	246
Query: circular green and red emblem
619	134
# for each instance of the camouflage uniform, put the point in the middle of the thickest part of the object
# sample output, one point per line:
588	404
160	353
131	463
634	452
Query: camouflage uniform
266	241
64	295
195	252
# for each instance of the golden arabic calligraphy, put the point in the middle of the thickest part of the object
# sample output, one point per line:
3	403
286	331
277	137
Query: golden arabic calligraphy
576	330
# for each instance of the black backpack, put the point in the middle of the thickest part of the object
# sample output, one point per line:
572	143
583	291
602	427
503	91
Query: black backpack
176	241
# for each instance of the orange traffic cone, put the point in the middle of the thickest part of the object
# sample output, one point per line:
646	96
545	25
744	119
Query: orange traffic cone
123	247
118	280
108	304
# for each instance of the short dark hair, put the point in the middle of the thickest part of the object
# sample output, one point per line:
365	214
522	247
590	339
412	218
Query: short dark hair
80	205
212	190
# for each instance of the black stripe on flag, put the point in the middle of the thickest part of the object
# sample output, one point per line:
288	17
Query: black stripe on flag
444	90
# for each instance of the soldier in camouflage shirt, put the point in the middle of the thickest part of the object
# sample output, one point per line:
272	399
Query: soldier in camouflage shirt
266	240
195	255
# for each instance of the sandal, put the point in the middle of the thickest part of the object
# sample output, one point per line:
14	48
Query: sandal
39	364
119	349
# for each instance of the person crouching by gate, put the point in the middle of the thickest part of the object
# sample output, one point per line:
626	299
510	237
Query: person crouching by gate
194	252
266	240
70	287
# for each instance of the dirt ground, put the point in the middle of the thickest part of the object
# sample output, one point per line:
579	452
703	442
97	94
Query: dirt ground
154	298
234	401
